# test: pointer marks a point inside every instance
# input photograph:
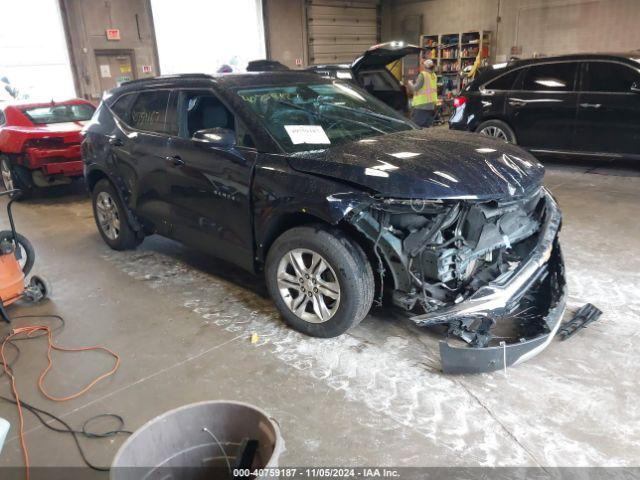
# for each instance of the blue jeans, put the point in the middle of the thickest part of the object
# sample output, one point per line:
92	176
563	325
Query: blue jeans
422	117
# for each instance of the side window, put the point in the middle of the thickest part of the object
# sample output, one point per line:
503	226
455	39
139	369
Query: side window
202	110
608	77
504	82
150	110
552	77
122	107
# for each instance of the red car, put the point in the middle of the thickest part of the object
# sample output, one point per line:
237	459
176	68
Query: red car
40	143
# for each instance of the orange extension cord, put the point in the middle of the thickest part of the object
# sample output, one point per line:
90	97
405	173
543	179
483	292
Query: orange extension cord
29	332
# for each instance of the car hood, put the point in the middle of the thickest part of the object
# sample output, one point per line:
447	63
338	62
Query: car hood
381	55
428	164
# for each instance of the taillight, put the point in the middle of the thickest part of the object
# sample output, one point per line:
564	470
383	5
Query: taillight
47	142
459	101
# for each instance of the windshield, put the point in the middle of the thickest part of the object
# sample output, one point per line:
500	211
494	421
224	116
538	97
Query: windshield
60	113
314	117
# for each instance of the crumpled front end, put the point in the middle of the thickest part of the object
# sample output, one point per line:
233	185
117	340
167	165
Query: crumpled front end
489	275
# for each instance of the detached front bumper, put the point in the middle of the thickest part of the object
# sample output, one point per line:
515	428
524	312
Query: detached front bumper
541	273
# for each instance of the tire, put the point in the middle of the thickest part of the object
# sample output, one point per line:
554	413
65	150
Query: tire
497	129
28	254
15	177
347	268
111	218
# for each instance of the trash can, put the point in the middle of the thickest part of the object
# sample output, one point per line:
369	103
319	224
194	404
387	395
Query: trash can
205	440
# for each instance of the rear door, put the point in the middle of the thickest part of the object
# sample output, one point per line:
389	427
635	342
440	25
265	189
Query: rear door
145	155
542	110
209	186
608	109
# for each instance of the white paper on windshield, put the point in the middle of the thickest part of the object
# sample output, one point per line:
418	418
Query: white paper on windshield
313	134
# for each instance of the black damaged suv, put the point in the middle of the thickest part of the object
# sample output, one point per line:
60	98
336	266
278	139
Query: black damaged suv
339	200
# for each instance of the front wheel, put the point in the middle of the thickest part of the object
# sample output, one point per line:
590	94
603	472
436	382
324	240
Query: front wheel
497	129
320	280
111	218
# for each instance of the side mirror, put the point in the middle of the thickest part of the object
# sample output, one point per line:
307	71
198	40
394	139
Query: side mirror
635	87
220	137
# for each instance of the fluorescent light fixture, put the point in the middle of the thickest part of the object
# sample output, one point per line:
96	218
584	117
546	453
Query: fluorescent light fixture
485	150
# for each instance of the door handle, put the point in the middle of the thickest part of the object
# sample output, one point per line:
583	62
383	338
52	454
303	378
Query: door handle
115	142
514	102
590	105
175	160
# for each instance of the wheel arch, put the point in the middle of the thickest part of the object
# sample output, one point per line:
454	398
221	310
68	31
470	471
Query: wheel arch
94	176
277	226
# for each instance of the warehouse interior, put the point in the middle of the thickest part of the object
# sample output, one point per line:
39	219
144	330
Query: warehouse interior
170	338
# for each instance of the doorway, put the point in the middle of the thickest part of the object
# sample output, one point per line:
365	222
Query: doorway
114	68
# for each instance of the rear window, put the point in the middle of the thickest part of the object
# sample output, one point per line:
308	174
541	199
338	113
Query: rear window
150	110
504	82
122	107
60	113
551	77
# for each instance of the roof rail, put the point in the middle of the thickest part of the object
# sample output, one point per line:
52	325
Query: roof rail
166	77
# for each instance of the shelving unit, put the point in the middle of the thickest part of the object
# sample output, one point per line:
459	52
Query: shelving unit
453	52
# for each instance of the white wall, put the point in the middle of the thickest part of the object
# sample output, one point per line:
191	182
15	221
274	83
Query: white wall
198	36
33	51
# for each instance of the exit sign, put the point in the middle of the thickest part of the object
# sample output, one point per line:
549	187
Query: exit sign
113	34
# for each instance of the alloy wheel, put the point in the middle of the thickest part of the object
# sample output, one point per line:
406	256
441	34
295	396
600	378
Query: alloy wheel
308	285
495	132
7	175
108	215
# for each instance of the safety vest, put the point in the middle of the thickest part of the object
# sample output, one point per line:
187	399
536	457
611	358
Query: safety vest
428	92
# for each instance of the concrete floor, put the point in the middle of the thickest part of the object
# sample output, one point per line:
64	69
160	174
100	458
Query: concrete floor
182	323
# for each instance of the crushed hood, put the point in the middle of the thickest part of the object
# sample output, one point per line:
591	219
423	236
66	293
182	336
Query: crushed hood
428	164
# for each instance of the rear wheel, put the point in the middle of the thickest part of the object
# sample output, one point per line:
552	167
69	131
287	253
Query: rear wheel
15	176
320	280
111	218
497	129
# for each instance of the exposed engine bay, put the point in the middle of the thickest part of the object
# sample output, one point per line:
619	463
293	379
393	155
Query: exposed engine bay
450	261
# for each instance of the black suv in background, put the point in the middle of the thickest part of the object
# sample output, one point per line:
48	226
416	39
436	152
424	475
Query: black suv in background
369	71
575	105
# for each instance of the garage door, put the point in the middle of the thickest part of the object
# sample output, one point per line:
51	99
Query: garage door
339	31
33	52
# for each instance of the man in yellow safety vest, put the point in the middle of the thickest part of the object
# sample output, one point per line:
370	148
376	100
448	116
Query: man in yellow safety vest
425	95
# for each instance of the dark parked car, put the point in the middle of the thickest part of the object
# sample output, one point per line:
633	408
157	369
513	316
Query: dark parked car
339	201
573	105
370	72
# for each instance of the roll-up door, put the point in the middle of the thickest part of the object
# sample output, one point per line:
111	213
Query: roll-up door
338	31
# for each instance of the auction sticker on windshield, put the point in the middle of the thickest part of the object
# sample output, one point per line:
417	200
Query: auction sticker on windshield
313	134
